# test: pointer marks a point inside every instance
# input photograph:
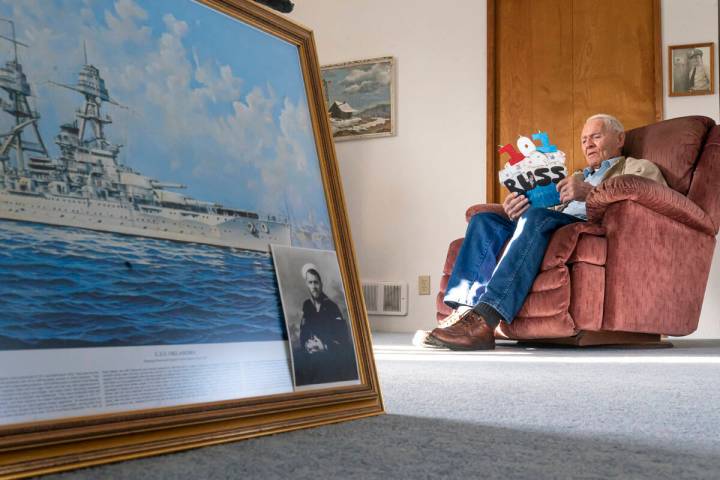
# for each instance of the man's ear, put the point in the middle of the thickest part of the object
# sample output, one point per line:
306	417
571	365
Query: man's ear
621	140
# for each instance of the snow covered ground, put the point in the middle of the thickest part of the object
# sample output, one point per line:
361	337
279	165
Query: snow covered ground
357	124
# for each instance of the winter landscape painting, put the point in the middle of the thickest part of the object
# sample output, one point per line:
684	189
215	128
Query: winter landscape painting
360	98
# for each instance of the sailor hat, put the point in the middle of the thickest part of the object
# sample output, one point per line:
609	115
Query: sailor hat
307	267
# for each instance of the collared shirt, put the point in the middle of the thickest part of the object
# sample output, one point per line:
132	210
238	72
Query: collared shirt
577	208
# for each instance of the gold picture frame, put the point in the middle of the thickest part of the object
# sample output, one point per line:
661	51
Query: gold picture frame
691	69
59	444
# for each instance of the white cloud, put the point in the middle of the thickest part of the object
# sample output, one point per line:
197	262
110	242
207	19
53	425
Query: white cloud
195	111
367	80
129	9
295	128
122	26
380	73
219	83
178	27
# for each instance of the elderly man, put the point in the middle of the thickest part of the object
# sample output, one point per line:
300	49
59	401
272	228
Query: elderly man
484	292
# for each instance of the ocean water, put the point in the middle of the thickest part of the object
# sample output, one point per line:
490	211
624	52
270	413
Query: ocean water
66	288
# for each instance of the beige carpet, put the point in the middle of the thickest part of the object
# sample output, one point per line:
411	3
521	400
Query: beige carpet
511	413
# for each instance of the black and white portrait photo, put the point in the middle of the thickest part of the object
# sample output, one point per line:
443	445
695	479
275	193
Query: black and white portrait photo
316	315
691	69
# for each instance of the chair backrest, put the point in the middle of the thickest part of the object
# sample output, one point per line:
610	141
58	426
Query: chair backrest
705	186
673	145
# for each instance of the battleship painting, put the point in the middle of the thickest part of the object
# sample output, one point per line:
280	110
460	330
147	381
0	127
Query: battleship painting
143	179
86	187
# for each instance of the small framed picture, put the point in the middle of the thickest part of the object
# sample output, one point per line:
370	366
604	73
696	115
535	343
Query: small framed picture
691	69
360	98
316	315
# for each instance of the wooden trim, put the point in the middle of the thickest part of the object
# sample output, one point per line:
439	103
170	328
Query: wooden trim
491	191
657	32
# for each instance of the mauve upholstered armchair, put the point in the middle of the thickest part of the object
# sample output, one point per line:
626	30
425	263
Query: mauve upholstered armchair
639	267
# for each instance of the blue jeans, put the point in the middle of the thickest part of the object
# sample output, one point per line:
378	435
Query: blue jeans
503	284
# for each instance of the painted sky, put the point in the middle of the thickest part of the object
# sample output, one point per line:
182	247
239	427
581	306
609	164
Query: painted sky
362	86
211	103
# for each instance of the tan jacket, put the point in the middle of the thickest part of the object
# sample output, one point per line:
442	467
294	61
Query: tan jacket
634	166
627	166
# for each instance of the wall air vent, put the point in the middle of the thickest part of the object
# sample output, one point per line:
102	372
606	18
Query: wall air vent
385	298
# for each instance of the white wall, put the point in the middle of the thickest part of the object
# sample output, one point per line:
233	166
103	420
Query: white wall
683	22
407	194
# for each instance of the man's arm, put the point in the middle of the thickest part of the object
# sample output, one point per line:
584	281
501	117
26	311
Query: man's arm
340	334
574	187
303	331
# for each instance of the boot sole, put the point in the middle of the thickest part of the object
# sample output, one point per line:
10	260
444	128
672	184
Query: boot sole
470	349
463	349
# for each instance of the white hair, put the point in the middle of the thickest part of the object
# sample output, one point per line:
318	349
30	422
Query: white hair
610	122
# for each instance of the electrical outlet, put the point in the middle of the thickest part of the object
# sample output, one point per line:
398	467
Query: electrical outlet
424	285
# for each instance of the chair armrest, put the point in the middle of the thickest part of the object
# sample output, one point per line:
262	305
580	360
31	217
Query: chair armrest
564	240
651	195
484	207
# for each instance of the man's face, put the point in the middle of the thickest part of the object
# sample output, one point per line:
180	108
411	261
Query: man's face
600	143
314	284
695	61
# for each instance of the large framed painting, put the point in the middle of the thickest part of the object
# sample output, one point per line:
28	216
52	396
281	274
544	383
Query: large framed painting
153	153
360	98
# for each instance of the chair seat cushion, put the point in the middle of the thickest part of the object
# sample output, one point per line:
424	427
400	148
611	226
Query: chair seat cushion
549	294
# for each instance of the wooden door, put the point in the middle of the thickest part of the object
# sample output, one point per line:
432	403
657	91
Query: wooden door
553	63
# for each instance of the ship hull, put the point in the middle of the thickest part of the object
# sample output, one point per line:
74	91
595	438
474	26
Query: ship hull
152	222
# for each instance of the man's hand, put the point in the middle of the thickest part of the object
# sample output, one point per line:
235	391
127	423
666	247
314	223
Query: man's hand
573	188
515	205
314	345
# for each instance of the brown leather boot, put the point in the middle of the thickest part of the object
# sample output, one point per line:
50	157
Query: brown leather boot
469	333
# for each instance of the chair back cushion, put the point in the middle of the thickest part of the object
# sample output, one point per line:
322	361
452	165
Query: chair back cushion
706	180
673	145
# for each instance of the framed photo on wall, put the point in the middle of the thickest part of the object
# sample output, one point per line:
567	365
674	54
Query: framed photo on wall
154	152
691	69
360	98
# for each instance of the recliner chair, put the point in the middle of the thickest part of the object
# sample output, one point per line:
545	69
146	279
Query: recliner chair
639	267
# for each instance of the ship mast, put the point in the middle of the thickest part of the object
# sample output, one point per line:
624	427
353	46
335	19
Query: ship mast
14	82
92	86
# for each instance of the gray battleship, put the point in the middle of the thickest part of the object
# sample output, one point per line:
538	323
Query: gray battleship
87	187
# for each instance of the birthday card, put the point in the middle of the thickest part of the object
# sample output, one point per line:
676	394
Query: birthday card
534	170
